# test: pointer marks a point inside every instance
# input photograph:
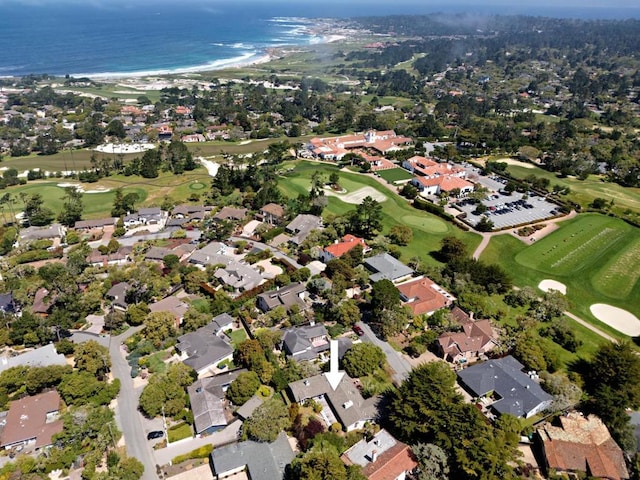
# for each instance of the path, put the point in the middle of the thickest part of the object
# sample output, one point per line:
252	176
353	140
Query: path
396	361
591	327
486	237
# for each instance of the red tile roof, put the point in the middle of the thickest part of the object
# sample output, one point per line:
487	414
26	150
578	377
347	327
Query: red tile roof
348	242
424	296
391	464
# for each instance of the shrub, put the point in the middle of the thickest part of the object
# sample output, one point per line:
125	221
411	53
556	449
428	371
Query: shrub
202	452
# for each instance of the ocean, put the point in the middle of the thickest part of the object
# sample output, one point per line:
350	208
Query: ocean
103	37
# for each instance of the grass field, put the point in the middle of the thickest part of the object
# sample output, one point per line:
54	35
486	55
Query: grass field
428	230
584	191
596	257
395	175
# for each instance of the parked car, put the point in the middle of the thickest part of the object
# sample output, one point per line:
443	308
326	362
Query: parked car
155	434
358	330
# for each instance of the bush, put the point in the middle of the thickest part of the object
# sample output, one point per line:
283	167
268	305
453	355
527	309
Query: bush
202	452
179	432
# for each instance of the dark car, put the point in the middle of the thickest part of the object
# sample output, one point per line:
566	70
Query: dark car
358	330
155	434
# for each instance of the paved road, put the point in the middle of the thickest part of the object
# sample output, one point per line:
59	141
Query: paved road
397	363
263	246
230	434
127	415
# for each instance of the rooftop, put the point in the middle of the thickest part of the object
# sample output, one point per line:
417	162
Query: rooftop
424	296
31	418
384	266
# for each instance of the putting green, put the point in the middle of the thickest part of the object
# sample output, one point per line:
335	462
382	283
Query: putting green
197	186
428	224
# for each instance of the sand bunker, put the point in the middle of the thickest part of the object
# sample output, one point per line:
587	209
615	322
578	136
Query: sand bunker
124	147
357	196
623	321
212	167
546	285
513	161
80	189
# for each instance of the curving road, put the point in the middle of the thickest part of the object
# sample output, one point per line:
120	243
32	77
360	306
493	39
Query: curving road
399	365
127	414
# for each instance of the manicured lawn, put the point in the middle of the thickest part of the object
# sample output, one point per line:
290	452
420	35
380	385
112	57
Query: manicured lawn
179	432
428	230
584	191
395	175
237	336
593	266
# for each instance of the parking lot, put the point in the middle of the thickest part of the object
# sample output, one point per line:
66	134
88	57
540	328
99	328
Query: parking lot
509	210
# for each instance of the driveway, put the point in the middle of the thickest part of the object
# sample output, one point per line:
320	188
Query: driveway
398	364
263	246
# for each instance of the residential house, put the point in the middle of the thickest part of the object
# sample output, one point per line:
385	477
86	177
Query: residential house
384	266
32	421
582	446
476	339
305	343
261	461
51	232
231	213
301	226
221	323
98	224
182	251
39	357
381	458
213	253
204	349
99	259
43	302
339	248
293	294
345	404
171	304
271	213
514	391
208	403
240	276
7	303
191	212
118	295
423	296
145	216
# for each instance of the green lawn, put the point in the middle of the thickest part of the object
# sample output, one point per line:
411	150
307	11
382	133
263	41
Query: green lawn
237	336
428	230
595	256
584	191
395	175
179	432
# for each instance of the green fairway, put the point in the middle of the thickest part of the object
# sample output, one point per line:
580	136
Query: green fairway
395	175
428	230
599	266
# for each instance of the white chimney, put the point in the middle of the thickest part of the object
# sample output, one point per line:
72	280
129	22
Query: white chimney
374	456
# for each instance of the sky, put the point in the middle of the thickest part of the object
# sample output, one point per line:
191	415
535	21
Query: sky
418	3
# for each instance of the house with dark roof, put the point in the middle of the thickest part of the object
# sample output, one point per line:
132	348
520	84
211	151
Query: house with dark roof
301	226
514	391
271	213
384	266
339	248
50	232
345	404
306	343
42	302
221	323
261	461
7	303
423	296
98	224
118	295
293	294
32	421
381	458
582	446
203	349
208	403
98	259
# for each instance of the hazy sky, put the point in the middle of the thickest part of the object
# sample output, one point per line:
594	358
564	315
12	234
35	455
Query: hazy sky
418	3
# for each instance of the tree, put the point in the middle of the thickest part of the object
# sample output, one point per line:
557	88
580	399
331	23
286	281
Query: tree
363	359
243	388
348	313
322	464
248	353
401	234
384	295
167	390
484	225
452	248
159	326
366	219
35	211
267	421
432	462
92	358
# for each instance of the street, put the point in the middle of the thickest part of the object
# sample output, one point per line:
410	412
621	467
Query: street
398	364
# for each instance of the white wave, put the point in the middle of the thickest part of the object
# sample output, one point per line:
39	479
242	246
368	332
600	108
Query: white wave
218	44
242	45
245	59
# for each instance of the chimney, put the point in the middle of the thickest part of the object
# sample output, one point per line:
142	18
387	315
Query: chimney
374	456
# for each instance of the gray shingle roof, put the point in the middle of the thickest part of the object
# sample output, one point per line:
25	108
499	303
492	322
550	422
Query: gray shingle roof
206	396
285	296
40	357
384	266
298	341
264	461
519	393
203	347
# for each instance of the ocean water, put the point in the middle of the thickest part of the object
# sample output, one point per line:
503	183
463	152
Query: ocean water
117	37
